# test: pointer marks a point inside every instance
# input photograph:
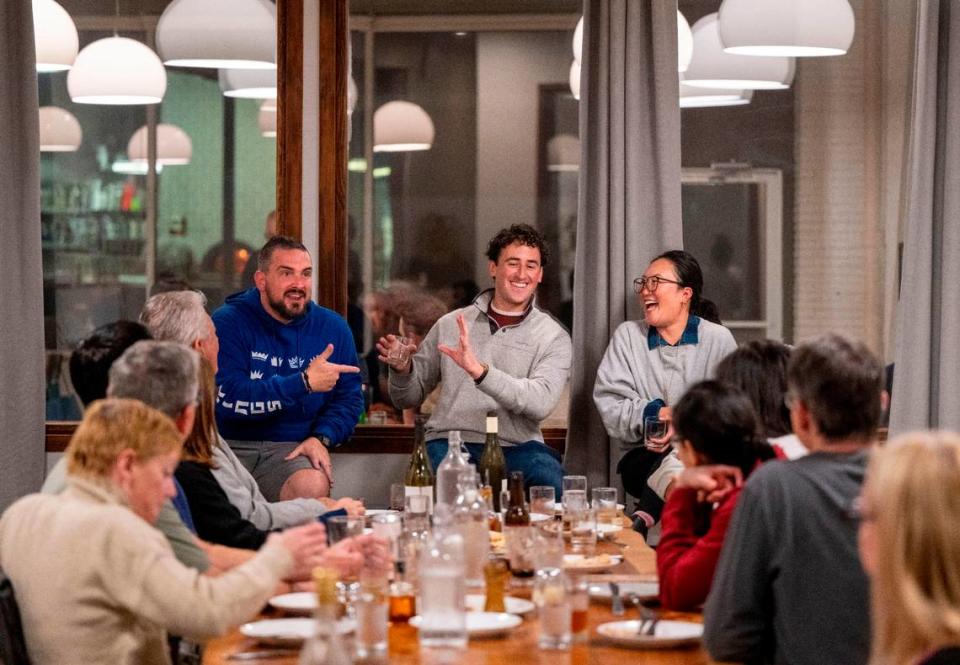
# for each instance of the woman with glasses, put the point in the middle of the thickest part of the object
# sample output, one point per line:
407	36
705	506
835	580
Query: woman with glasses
647	367
909	509
717	442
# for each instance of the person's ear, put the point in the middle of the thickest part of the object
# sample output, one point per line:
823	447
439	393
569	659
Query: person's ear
184	419
884	400
492	266
260	280
123	466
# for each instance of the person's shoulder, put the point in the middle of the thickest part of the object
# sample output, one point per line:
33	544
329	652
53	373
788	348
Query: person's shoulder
714	331
772	474
550	324
632	329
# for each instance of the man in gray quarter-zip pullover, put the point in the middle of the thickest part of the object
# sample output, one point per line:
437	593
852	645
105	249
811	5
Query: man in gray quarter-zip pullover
501	353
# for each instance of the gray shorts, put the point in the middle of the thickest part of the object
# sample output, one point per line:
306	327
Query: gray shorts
265	462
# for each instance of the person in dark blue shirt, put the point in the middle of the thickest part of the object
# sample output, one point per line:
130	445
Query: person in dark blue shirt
288	379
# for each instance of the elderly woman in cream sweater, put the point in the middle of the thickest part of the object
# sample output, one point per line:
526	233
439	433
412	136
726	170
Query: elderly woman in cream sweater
96	583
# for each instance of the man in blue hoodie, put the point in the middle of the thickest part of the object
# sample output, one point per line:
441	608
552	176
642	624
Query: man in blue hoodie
288	382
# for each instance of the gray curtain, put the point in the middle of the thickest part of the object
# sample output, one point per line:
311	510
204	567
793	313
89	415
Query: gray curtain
629	208
21	298
926	384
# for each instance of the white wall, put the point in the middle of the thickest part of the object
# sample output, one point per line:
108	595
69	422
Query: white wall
510	68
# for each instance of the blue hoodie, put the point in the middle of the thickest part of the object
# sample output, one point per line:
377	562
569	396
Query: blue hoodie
260	393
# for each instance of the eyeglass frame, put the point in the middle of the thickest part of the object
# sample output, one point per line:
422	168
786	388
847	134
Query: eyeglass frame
640	282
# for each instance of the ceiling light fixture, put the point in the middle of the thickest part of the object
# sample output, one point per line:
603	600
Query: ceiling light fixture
55	37
59	130
267	118
712	68
575	79
117	70
807	28
249	83
224	34
695	98
578	41
684	43
400	126
173	146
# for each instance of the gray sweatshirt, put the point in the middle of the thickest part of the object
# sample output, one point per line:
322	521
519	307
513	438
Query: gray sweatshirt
242	491
529	365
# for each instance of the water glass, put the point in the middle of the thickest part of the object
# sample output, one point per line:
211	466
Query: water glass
553	603
574	483
388	526
605	504
398	350
542	499
655	434
344	526
371	609
583	532
579	592
548	545
573	501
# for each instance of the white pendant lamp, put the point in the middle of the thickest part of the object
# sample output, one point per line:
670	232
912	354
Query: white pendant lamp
225	34
563	153
55	36
684	43
575	79
695	98
352	95
578	42
401	127
712	68
59	130
267	118
173	146
249	83
802	28
117	70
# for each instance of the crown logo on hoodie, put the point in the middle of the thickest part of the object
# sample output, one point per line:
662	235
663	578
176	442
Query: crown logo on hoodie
257	355
255	375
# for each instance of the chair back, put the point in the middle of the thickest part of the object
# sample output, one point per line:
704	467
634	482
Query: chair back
13	648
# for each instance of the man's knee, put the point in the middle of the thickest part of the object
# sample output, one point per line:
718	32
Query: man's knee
306	484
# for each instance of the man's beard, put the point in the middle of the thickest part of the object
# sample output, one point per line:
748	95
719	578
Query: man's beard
280	307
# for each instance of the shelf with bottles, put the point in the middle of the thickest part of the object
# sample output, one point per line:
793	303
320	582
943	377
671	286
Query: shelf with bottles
95	195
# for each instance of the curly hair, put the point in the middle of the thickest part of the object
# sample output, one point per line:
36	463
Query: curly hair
521	233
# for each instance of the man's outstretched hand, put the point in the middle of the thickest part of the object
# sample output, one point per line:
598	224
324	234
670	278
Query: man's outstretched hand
463	353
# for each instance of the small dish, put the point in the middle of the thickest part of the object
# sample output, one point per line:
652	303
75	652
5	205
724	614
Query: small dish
591	564
301	602
514	605
287	632
483	624
668	635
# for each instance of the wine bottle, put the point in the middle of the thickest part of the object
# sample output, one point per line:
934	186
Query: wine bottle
325	647
448	473
419	479
493	466
517	530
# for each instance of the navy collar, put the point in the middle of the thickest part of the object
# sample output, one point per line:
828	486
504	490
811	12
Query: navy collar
690	335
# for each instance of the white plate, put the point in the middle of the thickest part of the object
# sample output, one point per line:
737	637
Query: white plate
483	624
668	634
627	589
540	517
593	564
476	601
287	632
607	529
302	602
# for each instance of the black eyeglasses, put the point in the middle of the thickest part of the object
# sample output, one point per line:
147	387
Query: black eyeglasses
651	283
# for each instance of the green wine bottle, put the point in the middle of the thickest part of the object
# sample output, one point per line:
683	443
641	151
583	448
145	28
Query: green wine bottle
419	479
493	467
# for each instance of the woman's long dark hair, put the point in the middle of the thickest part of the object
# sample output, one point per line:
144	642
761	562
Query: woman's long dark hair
719	423
689	274
759	369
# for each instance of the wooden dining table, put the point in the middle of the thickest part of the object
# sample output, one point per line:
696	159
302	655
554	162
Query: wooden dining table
520	645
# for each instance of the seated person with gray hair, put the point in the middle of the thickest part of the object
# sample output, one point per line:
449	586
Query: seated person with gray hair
181	316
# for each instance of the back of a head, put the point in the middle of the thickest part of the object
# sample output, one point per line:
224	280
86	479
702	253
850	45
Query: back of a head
162	375
112	425
90	362
419	312
176	316
911	509
840	381
719	423
759	369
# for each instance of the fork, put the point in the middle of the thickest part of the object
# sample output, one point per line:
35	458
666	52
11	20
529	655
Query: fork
649	618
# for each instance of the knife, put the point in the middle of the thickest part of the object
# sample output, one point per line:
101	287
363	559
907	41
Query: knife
615	600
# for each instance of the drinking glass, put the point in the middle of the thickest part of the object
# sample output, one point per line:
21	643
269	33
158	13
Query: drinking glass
344	526
583	532
388	526
548	545
550	595
398	350
371	608
542	499
573	501
605	504
574	483
579	592
655	434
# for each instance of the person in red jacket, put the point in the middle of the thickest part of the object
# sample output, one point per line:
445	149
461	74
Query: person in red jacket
716	441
